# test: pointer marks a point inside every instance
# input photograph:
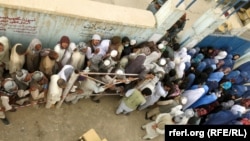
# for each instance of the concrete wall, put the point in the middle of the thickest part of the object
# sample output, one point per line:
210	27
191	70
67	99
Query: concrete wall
48	20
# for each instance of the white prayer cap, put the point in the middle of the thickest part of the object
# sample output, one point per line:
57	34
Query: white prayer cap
183	100
162	61
113	53
21	74
9	85
132	42
37	75
221	55
160	46
96	37
119	71
107	62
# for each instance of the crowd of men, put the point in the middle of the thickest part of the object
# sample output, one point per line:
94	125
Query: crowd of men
174	84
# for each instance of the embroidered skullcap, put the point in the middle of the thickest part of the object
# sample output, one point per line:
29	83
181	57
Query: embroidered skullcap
96	37
21	74
37	75
9	85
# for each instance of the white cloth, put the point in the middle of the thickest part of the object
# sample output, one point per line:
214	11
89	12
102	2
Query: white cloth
36	95
5	103
153	133
155	96
16	61
152	57
182	54
62	73
89	53
64	58
89	86
73	98
104	46
123	108
77	60
2	115
180	69
192	96
54	92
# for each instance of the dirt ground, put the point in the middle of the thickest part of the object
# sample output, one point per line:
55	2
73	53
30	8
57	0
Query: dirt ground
71	121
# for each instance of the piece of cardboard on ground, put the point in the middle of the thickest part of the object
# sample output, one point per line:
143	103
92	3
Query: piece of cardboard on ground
91	135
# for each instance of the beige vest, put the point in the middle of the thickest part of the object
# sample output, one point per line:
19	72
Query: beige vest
134	100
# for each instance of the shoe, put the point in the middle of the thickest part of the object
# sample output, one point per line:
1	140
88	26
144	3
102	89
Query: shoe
5	121
143	127
126	114
146	138
96	101
13	110
151	118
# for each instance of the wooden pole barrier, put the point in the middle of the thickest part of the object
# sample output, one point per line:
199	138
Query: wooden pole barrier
72	79
99	73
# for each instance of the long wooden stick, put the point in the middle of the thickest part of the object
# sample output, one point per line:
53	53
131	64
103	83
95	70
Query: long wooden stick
93	79
72	79
99	73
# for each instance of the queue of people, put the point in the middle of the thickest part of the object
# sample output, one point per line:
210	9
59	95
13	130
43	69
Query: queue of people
173	84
